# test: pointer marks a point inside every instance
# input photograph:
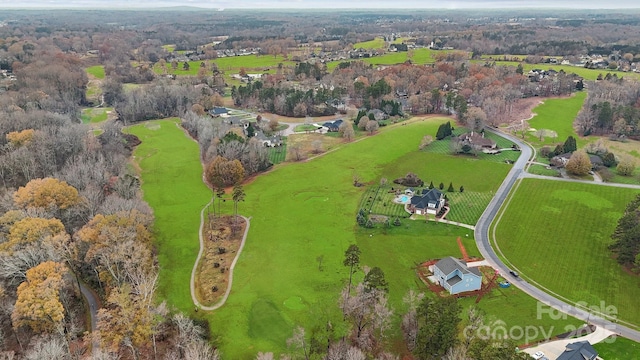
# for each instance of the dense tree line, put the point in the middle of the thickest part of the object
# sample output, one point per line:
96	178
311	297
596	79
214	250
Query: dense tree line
612	107
626	238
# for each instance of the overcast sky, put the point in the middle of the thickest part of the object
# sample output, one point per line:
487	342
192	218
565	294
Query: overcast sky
316	4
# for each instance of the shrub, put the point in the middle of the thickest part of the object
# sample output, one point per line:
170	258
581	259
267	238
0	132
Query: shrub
626	166
441	186
579	163
461	188
609	159
451	189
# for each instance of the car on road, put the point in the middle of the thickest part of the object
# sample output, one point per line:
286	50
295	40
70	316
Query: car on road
539	355
514	273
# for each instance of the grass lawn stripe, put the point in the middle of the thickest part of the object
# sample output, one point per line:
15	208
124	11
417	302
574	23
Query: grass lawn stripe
552	228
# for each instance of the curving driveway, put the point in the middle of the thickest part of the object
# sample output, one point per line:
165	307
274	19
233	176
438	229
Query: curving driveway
487	251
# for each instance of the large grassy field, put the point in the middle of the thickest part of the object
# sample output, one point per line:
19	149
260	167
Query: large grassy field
377	43
421	56
556	234
588	74
230	65
302	220
557	115
177	194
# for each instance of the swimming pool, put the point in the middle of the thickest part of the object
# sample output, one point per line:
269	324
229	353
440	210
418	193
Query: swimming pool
404	198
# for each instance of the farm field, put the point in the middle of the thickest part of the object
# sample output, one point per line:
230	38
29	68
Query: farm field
553	228
287	274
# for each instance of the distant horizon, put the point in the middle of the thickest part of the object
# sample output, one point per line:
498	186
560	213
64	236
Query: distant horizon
324	5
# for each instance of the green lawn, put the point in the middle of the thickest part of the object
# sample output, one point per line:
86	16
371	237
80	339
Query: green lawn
618	349
588	74
377	43
301	213
97	71
421	56
230	65
557	233
542	170
176	193
557	115
305	127
444	147
94	115
278	154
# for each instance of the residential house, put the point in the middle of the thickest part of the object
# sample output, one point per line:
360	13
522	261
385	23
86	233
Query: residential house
561	160
378	114
581	350
430	202
333	126
474	138
268	141
596	161
218	111
454	275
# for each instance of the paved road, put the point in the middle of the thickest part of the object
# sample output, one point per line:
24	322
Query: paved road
487	251
92	302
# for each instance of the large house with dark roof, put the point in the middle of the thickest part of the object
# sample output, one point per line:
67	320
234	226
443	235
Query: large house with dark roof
581	350
333	126
430	202
478	139
454	275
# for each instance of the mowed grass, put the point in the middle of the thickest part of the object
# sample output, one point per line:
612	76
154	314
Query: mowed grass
587	74
302	220
176	193
230	64
444	146
557	233
557	115
97	71
95	115
420	56
618	349
377	43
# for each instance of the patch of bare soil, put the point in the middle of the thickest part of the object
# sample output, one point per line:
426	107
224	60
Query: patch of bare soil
521	110
222	238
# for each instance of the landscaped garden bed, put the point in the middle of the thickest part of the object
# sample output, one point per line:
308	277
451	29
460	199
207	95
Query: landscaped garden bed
222	238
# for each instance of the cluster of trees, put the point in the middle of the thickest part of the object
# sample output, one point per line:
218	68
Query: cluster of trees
218	140
444	130
283	99
611	107
71	211
626	242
